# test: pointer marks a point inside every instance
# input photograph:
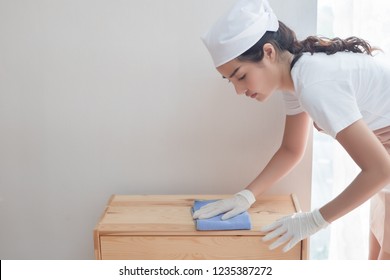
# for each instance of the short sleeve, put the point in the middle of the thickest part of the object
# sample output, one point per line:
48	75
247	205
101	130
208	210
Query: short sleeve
331	104
292	104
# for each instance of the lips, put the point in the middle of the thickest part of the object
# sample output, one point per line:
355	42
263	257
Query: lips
251	95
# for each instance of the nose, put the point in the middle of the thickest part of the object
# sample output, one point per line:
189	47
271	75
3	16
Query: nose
243	92
240	90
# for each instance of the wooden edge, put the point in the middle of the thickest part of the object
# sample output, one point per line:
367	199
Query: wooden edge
184	233
105	209
295	201
305	249
175	197
305	242
111	199
96	242
96	231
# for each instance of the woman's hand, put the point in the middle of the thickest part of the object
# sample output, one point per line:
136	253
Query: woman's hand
233	206
294	228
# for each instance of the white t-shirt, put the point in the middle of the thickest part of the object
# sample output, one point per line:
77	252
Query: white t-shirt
337	90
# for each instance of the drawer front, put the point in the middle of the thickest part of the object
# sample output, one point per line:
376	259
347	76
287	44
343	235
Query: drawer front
191	247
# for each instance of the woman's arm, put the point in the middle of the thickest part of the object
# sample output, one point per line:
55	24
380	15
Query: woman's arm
366	150
370	155
291	151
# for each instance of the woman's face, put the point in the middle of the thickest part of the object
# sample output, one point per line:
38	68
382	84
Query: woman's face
256	80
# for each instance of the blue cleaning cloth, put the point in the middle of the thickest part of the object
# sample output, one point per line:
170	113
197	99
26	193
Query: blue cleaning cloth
241	221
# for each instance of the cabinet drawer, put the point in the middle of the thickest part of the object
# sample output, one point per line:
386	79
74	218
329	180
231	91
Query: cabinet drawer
191	247
153	227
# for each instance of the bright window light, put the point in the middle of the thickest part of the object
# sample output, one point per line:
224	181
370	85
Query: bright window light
333	169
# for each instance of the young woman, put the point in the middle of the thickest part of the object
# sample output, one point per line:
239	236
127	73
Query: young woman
335	83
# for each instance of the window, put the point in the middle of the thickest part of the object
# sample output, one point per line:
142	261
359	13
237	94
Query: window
333	169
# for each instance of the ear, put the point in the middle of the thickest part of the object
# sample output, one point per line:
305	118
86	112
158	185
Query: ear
269	51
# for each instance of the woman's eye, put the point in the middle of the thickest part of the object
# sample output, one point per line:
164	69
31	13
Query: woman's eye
243	77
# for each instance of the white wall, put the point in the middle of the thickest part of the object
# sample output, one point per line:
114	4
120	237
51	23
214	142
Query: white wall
101	97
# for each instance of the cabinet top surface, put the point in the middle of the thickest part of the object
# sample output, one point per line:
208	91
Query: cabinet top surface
171	214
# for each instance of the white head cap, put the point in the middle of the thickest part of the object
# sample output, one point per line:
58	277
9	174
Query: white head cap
239	29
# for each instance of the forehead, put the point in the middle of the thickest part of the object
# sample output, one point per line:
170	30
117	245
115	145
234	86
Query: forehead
233	66
230	67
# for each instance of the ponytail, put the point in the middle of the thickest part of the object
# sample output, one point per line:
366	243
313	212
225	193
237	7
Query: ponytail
284	39
315	44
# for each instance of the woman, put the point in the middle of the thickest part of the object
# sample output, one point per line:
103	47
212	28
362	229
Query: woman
335	83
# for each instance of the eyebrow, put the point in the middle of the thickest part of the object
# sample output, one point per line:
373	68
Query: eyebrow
234	72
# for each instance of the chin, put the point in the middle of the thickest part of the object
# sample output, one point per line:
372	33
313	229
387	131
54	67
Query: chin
261	98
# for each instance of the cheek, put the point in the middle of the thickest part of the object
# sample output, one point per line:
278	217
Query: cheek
256	82
253	84
270	81
266	85
260	80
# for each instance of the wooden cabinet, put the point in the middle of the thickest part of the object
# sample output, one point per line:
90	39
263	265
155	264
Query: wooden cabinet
161	227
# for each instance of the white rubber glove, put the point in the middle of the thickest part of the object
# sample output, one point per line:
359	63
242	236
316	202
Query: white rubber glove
294	228
233	206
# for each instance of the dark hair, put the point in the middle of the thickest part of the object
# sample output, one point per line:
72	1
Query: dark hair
284	39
